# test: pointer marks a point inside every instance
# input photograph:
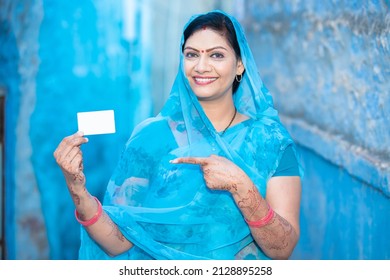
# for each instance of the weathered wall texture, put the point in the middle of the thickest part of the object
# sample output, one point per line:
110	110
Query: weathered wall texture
58	58
342	218
327	64
19	67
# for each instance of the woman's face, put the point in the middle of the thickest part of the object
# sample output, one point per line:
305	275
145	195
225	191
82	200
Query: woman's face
210	64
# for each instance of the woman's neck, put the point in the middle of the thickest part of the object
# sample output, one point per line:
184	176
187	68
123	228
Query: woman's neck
220	114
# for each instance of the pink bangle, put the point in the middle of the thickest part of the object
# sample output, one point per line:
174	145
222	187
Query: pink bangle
94	218
263	221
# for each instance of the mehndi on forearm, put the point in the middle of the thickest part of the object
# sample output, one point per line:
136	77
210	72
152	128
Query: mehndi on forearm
108	235
277	238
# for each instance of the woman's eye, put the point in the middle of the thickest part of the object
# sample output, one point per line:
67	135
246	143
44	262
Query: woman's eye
190	55
217	55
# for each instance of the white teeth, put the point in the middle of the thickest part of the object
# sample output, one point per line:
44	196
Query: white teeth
205	80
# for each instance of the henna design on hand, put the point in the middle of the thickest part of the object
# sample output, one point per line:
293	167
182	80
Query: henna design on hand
276	235
76	198
77	178
251	202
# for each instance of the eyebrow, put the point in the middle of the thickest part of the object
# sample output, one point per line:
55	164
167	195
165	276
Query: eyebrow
208	50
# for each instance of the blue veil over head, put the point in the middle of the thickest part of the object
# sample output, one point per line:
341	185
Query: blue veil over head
165	209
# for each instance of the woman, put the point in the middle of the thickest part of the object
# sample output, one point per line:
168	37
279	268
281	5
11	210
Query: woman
213	176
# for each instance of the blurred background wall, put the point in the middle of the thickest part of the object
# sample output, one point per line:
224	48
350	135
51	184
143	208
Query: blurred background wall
326	63
328	66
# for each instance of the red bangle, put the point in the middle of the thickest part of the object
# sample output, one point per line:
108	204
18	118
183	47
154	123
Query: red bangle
263	221
94	218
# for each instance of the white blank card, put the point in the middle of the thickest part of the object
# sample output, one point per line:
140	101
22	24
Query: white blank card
96	122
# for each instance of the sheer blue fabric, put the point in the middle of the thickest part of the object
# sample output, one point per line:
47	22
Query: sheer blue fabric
165	209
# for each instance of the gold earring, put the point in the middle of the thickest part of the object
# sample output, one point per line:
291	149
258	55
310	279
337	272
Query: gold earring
238	78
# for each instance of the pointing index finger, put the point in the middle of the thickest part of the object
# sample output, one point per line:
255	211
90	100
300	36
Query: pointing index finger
190	160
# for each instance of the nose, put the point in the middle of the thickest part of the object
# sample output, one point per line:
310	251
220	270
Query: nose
203	64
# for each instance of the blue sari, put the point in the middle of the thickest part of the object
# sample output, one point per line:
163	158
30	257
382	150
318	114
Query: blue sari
165	209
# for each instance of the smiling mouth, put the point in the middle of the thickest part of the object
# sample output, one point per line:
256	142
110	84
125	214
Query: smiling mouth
203	81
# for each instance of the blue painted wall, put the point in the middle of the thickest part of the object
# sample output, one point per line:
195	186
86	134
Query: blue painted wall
327	64
83	67
59	58
342	217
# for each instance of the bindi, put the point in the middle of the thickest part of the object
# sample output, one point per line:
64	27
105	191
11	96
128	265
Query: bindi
204	27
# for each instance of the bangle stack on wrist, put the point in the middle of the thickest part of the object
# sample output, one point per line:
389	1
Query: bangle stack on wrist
94	218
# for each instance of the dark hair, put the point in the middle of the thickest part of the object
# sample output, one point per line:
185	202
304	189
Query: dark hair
218	22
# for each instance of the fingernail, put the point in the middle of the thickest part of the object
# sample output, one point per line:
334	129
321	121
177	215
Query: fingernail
81	133
86	139
173	160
